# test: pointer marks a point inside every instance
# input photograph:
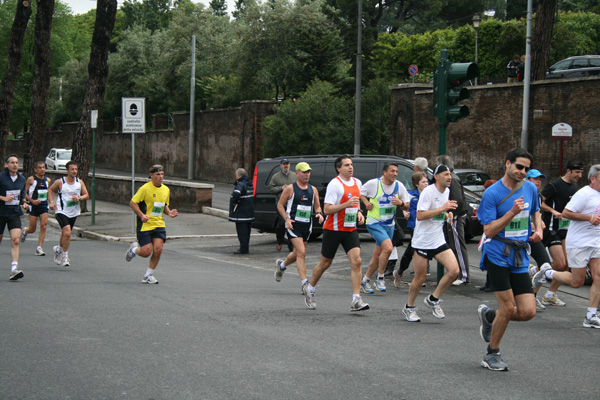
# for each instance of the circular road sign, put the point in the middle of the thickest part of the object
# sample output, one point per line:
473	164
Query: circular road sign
413	70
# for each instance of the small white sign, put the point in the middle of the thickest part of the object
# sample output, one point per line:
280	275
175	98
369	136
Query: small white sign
562	130
134	114
94	121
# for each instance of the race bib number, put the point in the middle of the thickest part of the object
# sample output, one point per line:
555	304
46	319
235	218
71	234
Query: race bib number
564	223
386	211
15	194
43	195
157	209
303	213
350	217
441	217
519	226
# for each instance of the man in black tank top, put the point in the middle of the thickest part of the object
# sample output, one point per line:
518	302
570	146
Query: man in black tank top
36	191
295	206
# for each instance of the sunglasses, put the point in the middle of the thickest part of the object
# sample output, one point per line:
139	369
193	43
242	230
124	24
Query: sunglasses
521	167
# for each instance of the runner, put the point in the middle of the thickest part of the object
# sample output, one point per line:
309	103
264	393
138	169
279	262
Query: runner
342	205
556	195
506	212
583	245
295	206
428	241
381	196
12	194
149	203
538	250
36	190
71	192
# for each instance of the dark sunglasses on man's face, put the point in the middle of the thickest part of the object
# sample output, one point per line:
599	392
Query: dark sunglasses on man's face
521	167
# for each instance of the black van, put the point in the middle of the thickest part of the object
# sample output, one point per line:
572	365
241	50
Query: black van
366	167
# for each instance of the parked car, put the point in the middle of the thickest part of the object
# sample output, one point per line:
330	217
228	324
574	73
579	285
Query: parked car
575	67
323	170
57	159
472	179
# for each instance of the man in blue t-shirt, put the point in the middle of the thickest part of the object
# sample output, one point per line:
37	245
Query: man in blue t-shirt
506	212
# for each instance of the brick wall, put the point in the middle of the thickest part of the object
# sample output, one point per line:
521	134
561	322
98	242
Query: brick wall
495	124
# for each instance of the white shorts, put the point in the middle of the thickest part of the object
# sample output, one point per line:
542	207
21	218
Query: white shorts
581	256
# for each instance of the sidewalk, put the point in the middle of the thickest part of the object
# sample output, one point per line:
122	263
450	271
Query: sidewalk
114	222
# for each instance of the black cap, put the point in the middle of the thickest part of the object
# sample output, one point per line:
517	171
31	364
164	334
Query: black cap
441	168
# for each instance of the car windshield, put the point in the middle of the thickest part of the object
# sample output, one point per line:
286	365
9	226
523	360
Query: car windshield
63	155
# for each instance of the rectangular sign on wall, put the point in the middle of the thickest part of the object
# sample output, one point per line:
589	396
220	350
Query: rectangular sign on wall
134	114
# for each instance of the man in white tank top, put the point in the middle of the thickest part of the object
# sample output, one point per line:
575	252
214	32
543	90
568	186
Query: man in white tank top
71	192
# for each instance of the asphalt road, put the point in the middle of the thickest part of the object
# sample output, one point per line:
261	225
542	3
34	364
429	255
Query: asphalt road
219	327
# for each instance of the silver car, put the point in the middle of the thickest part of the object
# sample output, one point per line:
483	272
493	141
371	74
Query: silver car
472	179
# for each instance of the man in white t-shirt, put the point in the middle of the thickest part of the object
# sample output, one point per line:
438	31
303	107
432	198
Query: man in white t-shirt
582	244
382	197
428	241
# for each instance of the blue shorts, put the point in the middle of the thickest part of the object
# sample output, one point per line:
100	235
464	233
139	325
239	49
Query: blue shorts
381	233
146	237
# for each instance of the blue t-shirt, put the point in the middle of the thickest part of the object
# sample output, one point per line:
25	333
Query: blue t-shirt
518	229
412	208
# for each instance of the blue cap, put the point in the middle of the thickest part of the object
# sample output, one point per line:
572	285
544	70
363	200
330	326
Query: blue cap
534	173
284	160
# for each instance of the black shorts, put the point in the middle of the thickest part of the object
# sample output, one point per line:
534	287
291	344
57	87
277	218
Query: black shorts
12	223
502	279
298	233
554	238
145	237
36	211
333	239
429	254
63	220
539	253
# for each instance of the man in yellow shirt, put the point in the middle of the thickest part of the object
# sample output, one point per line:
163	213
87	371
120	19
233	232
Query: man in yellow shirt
149	203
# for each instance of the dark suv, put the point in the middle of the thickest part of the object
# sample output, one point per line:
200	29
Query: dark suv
366	167
575	67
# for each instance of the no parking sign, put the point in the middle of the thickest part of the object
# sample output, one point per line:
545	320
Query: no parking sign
413	70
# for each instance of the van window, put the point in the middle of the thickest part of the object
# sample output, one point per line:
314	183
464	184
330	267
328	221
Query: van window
275	169
579	63
594	62
405	176
366	170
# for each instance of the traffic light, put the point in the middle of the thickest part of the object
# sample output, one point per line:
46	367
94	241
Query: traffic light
448	90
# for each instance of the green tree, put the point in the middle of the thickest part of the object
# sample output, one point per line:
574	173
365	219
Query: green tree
218	7
317	122
284	46
152	14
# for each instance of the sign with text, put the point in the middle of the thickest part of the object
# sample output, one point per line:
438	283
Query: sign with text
562	131
134	114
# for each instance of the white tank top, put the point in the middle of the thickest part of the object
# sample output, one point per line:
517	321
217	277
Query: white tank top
65	205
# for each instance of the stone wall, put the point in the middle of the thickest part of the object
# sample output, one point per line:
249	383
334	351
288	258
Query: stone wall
224	140
494	126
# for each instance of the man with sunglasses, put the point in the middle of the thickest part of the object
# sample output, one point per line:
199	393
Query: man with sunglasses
149	203
506	212
556	195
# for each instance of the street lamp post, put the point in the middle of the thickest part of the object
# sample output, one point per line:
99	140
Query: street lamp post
476	22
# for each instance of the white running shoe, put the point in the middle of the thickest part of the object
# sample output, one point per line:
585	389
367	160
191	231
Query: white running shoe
130	253
435	307
149	279
593	322
411	314
278	270
358	305
540	276
57	255
23	235
18	274
538	305
65	260
39	251
553	301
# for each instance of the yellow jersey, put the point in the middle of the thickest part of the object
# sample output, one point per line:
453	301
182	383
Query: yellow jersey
152	201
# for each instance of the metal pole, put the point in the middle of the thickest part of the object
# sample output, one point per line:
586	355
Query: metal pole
133	178
358	82
94	176
191	147
527	80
